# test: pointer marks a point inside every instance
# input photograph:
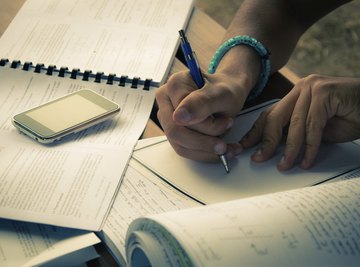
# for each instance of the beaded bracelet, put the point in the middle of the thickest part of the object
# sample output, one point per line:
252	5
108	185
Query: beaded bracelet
260	49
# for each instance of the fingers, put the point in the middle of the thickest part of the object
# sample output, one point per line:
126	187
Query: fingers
255	134
268	128
306	110
315	123
317	106
178	87
194	145
192	118
189	142
297	126
206	102
213	126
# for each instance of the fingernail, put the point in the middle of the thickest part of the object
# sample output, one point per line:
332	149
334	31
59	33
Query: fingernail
258	152
183	115
282	160
257	155
304	164
220	148
230	124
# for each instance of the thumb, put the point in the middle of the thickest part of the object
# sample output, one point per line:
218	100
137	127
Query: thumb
194	108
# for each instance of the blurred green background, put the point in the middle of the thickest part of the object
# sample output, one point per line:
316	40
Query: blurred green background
330	47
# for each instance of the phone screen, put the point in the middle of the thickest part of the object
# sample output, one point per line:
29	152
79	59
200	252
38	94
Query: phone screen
61	115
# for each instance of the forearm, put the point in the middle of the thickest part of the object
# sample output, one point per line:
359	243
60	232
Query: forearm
278	24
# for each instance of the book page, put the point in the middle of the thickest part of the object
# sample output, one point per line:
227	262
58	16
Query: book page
141	193
209	183
315	226
28	244
134	38
349	175
70	183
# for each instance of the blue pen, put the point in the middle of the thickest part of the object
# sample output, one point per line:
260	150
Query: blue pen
191	60
197	76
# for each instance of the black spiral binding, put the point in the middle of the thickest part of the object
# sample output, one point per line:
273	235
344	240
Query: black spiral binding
50	70
110	79
74	73
123	80
87	75
15	64
39	67
27	66
63	71
147	84
135	82
3	62
98	77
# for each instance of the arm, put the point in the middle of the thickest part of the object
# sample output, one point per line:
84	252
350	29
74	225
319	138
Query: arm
193	119
278	24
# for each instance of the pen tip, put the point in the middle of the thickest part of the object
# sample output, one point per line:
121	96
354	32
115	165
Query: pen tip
225	163
227	169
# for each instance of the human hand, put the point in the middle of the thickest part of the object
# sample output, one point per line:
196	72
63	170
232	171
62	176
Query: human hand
193	119
318	108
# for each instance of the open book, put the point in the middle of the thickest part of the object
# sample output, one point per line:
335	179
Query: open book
53	48
143	193
314	226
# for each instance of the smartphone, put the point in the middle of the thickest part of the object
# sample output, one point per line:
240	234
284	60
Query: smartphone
66	115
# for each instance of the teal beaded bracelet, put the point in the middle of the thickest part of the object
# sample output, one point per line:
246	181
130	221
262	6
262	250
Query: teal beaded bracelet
259	48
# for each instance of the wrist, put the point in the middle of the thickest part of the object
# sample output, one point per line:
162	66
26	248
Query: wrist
237	45
234	85
242	65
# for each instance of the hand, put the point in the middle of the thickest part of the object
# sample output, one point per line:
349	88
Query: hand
193	119
318	108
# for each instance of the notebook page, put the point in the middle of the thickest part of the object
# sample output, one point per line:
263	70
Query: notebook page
209	183
71	183
134	38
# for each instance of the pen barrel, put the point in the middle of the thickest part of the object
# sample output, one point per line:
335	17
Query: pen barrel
196	75
195	70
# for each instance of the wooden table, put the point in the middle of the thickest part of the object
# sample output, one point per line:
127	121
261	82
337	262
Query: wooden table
205	35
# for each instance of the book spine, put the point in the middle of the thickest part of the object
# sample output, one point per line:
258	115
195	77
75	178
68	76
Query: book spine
87	75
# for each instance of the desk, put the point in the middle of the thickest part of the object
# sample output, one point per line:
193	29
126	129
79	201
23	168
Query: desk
205	35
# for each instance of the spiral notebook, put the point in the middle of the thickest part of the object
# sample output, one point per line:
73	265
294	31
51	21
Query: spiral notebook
121	49
114	41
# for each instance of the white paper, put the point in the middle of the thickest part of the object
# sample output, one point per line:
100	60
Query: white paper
346	176
28	244
314	226
141	193
134	38
210	183
71	183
